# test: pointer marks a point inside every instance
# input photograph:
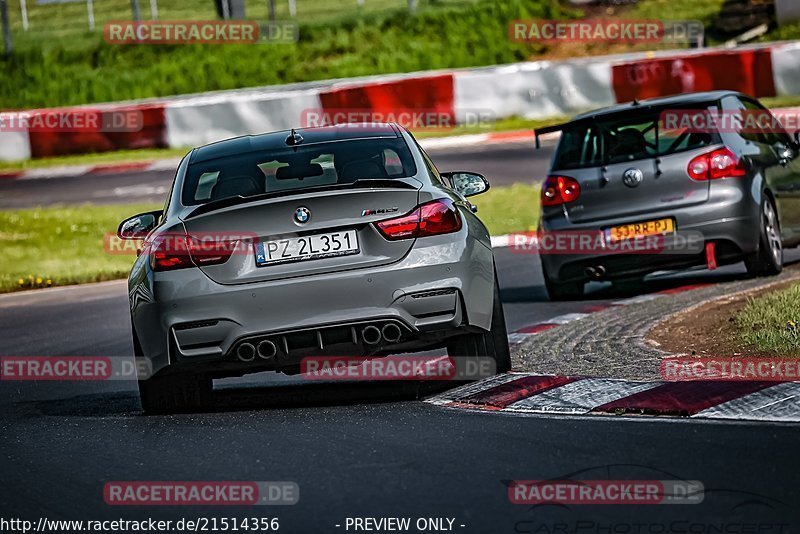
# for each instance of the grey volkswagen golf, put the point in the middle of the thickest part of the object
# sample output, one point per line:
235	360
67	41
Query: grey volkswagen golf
341	240
714	166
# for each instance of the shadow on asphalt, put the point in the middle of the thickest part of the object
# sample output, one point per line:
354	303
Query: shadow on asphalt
231	399
609	291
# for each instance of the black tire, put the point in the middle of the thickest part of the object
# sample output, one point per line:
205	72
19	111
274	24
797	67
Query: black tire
175	392
558	291
768	259
493	344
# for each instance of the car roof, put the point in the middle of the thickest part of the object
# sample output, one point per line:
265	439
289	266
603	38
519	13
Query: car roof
673	100
277	140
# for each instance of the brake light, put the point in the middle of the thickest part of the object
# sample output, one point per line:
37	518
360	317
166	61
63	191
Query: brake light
560	190
720	163
432	218
170	252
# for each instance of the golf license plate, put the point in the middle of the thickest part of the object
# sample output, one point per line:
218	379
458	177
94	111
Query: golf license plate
309	247
642	229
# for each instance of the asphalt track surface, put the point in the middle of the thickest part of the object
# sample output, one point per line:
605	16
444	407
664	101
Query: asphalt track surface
503	164
368	450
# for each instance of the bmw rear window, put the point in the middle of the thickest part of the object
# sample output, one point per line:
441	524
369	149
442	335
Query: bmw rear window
625	136
301	167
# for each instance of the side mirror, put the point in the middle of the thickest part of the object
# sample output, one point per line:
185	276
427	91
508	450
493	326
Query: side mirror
467	183
138	226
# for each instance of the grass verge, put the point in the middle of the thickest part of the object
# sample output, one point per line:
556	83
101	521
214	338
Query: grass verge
56	246
62	245
771	322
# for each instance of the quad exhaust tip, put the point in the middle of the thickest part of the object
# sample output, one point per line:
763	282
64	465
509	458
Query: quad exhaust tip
266	349
371	335
246	352
391	333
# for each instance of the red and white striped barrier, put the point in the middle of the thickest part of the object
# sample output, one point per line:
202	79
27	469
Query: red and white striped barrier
537	89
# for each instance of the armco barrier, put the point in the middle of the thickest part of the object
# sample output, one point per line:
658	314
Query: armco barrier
424	94
152	134
205	119
537	89
14	146
748	71
533	90
786	68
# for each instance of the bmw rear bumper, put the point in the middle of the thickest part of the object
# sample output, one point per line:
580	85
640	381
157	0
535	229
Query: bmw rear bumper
443	283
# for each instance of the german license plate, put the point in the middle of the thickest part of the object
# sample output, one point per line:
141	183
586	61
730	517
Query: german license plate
642	229
309	247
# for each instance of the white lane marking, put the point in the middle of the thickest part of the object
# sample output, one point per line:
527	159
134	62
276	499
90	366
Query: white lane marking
55	172
170	164
132	191
515	338
435	143
634	300
475	387
580	397
501	241
780	402
566	318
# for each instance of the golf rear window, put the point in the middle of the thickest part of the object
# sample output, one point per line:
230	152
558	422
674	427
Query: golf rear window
625	136
313	165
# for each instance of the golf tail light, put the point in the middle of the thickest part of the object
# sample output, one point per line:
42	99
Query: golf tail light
432	218
560	190
720	163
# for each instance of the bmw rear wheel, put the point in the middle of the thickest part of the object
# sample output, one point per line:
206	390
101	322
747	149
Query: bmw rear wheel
493	343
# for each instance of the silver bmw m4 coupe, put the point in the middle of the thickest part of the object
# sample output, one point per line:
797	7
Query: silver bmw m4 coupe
342	240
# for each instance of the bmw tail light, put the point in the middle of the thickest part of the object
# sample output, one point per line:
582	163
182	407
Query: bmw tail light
432	218
720	163
560	190
170	252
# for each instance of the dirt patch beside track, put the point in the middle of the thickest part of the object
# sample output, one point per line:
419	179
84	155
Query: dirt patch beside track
708	329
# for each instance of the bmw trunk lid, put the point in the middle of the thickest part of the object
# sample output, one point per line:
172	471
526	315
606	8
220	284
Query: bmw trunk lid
272	231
